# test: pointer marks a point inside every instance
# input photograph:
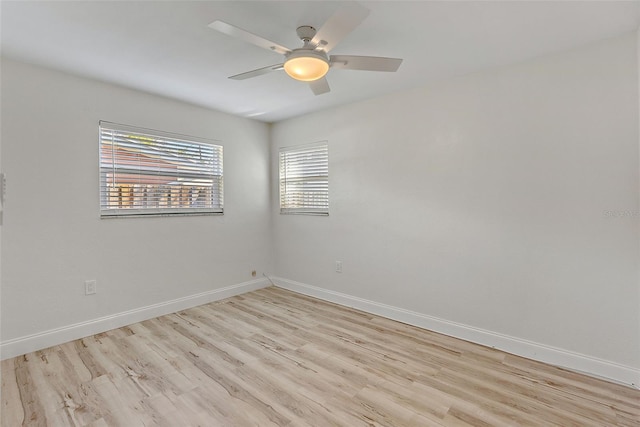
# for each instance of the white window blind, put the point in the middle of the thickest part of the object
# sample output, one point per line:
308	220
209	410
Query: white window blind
304	179
148	172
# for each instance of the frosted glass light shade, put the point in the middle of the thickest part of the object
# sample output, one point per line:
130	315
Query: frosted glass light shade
306	65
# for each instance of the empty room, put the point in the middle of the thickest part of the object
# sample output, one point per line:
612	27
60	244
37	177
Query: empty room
319	213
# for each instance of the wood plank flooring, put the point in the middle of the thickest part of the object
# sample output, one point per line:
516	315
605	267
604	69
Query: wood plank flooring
277	358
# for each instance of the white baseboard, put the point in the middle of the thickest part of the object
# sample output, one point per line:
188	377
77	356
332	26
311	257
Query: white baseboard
41	340
531	350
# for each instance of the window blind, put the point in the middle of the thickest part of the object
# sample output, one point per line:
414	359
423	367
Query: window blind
148	172
304	179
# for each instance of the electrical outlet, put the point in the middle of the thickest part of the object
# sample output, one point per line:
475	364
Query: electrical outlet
338	266
90	287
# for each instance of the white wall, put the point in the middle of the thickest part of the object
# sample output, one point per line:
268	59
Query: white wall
481	201
53	238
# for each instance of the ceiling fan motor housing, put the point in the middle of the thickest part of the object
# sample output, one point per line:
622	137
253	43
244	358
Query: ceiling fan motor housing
306	33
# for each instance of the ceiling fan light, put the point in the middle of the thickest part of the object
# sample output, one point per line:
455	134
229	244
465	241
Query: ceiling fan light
306	65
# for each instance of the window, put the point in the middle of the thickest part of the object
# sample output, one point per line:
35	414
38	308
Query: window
148	172
304	179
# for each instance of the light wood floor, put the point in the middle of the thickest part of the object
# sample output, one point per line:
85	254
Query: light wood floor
276	358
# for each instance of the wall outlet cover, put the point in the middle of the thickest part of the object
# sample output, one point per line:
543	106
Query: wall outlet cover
90	287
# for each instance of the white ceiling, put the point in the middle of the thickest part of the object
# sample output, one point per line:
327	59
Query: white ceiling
165	47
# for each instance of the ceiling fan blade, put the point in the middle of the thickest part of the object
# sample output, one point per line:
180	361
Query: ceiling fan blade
258	72
341	23
320	86
367	63
239	33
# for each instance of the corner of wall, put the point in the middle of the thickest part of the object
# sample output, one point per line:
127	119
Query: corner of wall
638	207
273	196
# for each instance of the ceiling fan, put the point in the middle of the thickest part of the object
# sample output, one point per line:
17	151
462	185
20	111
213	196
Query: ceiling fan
311	62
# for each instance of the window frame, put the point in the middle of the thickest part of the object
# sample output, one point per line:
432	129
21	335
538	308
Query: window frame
166	141
307	209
